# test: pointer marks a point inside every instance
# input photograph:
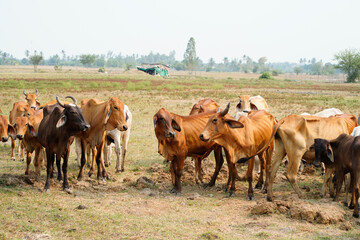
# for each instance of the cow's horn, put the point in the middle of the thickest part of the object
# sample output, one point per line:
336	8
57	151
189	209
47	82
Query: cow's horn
226	110
72	98
36	92
24	92
60	103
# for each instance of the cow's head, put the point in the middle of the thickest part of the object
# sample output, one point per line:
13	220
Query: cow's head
20	126
31	99
323	152
6	129
71	118
115	116
165	124
203	106
218	125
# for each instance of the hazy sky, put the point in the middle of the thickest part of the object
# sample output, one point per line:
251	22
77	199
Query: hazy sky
281	30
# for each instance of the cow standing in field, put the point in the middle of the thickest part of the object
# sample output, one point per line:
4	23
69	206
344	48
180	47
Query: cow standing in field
325	113
249	103
178	138
118	138
344	153
31	99
56	133
203	106
26	130
102	117
294	136
6	129
242	139
19	109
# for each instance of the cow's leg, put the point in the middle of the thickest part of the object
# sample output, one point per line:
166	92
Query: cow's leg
249	178
268	156
352	188
58	165
279	154
219	161
64	169
28	161
232	177
124	142
260	181
100	161
93	159
198	174
78	150
172	172
327	178
356	190
83	160
21	150
347	185
178	164
37	163
339	181
13	149
123	157
107	152
293	168
50	162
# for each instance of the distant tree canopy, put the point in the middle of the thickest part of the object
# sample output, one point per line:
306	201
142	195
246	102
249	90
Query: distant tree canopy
36	59
190	58
87	59
349	63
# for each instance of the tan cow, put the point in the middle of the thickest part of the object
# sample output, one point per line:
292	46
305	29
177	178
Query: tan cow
6	129
203	106
295	134
26	130
31	99
249	103
101	116
242	139
19	109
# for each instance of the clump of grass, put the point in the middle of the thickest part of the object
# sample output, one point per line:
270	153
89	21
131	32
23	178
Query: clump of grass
67	84
130	86
218	86
94	85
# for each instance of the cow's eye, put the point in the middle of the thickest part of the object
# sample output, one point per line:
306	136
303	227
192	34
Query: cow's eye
116	108
214	120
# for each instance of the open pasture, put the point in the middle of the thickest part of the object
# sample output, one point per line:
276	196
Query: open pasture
125	208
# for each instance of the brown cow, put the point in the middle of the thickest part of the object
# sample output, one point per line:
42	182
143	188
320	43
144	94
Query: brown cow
6	129
204	106
344	153
20	108
294	136
31	99
56	133
178	138
101	116
242	139
26	130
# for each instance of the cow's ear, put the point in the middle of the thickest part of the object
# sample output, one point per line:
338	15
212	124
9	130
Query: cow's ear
234	124
31	130
38	104
175	125
107	114
11	131
61	121
312	148
329	153
126	116
155	120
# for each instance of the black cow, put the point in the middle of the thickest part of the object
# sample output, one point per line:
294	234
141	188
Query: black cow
56	133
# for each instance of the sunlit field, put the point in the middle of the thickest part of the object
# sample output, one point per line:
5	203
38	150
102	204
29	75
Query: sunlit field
123	208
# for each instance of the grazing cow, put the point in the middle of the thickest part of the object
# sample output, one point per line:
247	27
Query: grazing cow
6	129
102	117
178	138
31	99
344	153
325	113
26	130
249	103
204	106
56	131
115	136
20	108
52	102
241	139
295	134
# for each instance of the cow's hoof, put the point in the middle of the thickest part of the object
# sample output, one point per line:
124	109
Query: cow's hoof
351	206
26	173
46	190
90	174
258	186
174	191
264	190
345	204
230	194
269	199
13	159
22	159
250	198
79	178
59	178
208	185
68	190
107	165
117	170
356	215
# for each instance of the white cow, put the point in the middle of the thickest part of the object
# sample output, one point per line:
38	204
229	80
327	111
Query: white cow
326	112
248	103
117	137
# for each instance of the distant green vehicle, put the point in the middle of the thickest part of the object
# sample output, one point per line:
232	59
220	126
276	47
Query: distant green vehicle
155	69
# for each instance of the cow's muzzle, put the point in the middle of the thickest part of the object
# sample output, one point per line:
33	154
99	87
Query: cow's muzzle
317	164
170	134
202	138
33	107
4	139
20	137
85	127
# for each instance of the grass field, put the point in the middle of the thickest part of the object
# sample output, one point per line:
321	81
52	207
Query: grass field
121	209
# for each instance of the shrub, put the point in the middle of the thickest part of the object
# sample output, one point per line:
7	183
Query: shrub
265	75
275	72
101	70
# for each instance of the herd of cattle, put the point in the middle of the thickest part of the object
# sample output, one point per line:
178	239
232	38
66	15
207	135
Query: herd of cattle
329	137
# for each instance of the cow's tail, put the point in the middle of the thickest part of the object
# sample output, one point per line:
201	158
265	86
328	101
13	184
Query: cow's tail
275	128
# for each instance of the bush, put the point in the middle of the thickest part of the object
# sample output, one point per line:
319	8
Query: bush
265	75
57	67
275	72
101	70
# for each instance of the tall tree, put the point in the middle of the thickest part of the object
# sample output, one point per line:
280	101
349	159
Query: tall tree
210	65
87	59
190	55
349	63
36	59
